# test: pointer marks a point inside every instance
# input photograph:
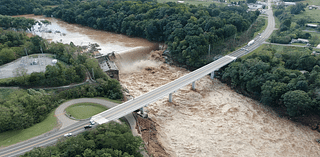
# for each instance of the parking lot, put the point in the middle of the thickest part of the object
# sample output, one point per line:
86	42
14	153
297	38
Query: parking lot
35	63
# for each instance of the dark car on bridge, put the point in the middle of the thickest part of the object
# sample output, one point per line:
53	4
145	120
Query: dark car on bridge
88	127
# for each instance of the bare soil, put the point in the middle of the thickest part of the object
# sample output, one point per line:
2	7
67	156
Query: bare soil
148	129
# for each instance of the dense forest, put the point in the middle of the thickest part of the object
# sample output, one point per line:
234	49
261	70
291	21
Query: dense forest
107	140
187	29
20	7
288	78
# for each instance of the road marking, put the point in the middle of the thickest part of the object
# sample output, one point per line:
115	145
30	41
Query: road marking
40	142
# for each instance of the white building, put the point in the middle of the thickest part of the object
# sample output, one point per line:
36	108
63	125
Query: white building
286	3
299	40
312	25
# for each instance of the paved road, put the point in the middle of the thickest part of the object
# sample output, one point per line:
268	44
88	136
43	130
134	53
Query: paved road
259	39
68	126
66	122
129	106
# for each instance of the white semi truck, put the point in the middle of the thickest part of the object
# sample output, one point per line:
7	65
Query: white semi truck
250	42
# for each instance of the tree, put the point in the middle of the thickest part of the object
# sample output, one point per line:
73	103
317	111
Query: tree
271	91
296	9
251	1
297	102
21	75
6	56
314	41
302	21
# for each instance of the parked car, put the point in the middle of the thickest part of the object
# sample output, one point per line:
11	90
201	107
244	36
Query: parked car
87	126
67	135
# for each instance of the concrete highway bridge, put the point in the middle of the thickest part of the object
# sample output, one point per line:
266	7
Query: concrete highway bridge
169	88
143	100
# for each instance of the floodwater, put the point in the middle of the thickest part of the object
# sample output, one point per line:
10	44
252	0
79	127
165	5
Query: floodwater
65	32
214	120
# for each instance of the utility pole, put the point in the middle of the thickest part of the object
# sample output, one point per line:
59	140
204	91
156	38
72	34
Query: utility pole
209	50
93	74
25	50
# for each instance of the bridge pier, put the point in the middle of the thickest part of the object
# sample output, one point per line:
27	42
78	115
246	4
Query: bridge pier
212	75
141	110
194	85
170	97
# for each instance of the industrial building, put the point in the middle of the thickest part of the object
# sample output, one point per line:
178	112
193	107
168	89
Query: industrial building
108	66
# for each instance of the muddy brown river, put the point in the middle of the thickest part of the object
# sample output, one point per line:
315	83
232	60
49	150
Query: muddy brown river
64	32
212	120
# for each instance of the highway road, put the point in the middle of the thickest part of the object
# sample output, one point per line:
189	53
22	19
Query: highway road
132	105
259	39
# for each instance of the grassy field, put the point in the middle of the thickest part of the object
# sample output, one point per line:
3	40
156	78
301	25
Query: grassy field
85	110
278	48
312	2
12	137
310	14
301	44
115	101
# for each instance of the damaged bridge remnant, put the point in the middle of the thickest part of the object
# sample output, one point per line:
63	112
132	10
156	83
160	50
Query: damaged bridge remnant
108	66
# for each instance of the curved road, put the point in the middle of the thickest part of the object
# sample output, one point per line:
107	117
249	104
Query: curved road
75	128
66	122
68	126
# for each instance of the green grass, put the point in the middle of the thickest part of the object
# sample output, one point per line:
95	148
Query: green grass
312	2
115	101
33	56
12	137
310	14
262	28
4	93
3	80
301	44
50	56
256	50
278	48
85	110
277	22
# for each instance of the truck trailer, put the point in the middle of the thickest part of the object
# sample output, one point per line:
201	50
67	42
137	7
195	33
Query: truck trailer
250	42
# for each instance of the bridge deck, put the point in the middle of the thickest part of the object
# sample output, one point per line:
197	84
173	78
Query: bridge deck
158	93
